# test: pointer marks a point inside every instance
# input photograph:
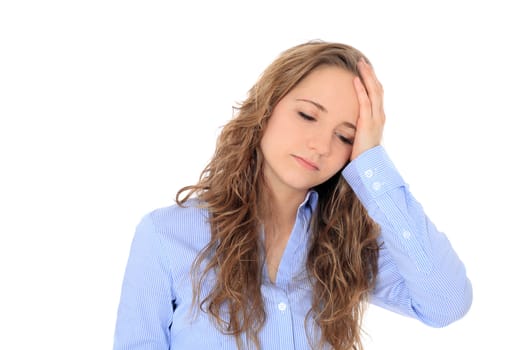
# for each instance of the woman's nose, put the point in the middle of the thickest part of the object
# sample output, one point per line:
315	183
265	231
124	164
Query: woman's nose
320	142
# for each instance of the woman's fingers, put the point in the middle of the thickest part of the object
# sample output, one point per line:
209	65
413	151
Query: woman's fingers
371	115
365	107
373	87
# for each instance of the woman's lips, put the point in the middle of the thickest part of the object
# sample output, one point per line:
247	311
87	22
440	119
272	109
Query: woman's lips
306	163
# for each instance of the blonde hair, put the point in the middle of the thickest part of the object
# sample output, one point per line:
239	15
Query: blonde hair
343	250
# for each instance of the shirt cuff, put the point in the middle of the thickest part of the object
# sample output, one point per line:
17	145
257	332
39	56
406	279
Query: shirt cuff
372	174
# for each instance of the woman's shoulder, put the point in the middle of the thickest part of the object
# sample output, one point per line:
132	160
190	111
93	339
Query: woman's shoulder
187	223
191	210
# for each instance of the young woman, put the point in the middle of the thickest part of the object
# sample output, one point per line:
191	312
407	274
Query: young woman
299	220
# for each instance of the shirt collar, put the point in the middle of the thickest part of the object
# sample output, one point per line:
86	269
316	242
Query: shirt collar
310	200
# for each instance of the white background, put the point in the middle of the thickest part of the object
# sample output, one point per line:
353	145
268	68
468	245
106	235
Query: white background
108	107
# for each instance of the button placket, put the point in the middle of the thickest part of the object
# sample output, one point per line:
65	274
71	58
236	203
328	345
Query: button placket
282	306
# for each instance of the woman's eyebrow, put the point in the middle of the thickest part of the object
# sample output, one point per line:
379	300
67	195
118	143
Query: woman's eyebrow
323	109
318	105
350	125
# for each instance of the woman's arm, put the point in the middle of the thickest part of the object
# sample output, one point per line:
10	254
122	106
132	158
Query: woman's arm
420	274
145	310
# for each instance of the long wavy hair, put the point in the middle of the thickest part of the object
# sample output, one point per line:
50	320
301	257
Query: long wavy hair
343	250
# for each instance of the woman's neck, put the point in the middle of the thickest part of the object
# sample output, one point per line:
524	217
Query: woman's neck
280	208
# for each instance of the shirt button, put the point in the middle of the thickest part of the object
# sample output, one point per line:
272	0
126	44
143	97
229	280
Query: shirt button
369	173
281	306
376	186
406	234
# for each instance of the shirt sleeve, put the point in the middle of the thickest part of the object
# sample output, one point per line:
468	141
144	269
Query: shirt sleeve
420	274
145	308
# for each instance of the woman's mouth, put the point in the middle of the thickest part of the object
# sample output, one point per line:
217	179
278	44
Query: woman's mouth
306	163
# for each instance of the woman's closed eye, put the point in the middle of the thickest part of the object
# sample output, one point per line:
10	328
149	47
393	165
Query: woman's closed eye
306	116
344	139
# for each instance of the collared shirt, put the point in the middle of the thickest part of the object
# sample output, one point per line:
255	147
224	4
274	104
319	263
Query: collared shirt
419	276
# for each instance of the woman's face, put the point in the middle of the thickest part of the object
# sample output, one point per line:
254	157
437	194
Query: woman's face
310	132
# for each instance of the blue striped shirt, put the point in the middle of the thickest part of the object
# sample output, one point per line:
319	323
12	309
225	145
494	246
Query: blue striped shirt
419	276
